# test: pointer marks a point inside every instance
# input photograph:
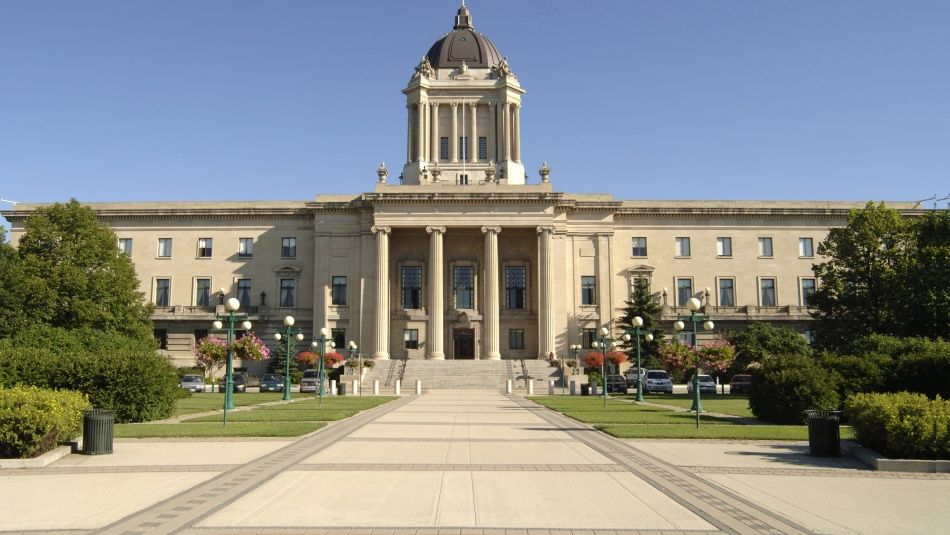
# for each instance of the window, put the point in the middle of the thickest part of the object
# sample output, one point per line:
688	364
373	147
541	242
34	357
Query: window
727	292
338	292
125	246
808	292
767	292
588	290
204	247
163	292
412	287
640	278
203	292
515	287
244	292
515	338
463	148
444	148
588	337
682	246
463	180
288	247
639	246
200	333
482	148
245	247
338	337
410	338
164	247
463	287
723	246
765	246
161	336
287	289
806	247
684	291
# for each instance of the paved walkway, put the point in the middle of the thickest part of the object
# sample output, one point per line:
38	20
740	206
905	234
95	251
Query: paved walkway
466	462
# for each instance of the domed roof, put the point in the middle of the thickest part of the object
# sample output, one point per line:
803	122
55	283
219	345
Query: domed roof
463	43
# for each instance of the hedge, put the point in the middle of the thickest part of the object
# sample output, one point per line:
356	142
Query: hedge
785	387
34	420
902	425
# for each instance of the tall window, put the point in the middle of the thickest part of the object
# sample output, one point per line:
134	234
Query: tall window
588	290
164	247
204	247
684	291
515	338
338	292
245	247
288	288
639	246
444	148
203	292
410	339
338	336
482	148
244	292
288	247
806	247
412	287
463	180
724	246
463	287
727	292
767	292
515	287
163	292
588	337
463	148
682	246
765	246
808	292
125	246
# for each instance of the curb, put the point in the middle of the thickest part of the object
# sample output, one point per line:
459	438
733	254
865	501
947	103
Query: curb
42	461
878	462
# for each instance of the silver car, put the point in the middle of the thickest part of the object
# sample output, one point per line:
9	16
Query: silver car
309	381
193	383
658	381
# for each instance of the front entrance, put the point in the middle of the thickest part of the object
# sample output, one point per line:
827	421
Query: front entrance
463	342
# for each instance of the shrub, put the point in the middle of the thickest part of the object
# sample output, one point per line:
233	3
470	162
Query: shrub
33	420
594	359
866	373
784	388
902	425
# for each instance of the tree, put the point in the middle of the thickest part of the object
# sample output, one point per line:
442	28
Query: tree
927	307
276	364
211	355
762	341
642	303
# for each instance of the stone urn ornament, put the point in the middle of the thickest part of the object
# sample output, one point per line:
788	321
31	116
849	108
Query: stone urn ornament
382	172
545	172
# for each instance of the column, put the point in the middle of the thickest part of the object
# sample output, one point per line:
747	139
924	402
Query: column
454	140
434	331
490	304
381	348
604	305
493	132
435	133
473	138
420	132
545	287
505	132
409	133
516	132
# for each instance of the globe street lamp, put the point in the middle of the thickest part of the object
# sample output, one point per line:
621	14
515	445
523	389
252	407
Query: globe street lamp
321	345
637	323
575	354
288	333
232	306
694	305
605	344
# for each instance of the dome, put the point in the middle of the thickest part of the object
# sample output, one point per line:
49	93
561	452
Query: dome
463	43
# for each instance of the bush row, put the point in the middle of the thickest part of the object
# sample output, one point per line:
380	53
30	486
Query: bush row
34	420
902	425
784	388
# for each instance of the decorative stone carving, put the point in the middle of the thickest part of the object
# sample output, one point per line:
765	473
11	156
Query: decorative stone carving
423	70
436	173
545	172
490	173
382	172
502	70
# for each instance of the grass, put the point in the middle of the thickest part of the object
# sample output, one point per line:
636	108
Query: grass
325	415
735	404
210	401
737	432
236	429
643	417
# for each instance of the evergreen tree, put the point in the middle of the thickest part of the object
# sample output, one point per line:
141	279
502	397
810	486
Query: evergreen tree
275	364
642	303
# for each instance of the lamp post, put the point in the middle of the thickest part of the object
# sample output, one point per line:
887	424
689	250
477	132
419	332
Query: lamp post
575	354
353	347
694	305
637	323
232	307
605	344
320	344
289	332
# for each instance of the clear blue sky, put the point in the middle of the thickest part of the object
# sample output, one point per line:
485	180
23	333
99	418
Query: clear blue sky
738	99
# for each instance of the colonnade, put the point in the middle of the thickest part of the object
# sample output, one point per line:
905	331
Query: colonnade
424	136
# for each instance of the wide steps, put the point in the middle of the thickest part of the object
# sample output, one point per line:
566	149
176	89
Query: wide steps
458	374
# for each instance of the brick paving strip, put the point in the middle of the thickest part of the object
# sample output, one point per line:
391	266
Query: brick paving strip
440	531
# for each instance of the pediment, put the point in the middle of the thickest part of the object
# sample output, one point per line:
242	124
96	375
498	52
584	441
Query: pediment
642	268
287	269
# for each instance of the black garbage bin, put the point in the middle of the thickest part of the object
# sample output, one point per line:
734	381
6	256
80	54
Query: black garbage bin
97	427
824	433
341	389
585	390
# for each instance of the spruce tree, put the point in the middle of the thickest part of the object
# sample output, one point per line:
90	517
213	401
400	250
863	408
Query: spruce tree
642	303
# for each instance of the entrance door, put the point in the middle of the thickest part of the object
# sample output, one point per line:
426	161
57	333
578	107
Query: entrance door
464	343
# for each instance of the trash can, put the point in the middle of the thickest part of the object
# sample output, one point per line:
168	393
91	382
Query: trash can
824	433
97	427
585	390
341	389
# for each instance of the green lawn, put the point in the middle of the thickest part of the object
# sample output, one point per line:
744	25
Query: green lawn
236	429
324	415
209	401
737	404
642	417
737	432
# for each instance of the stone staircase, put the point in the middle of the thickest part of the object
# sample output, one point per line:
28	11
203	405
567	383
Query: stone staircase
460	374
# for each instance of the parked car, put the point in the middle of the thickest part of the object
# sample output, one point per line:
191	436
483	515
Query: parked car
631	375
706	385
193	383
658	381
271	382
740	384
616	383
238	383
309	381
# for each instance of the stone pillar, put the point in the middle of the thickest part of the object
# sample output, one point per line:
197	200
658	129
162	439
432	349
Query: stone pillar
420	132
516	132
408	133
505	132
546	287
490	304
381	349
434	332
473	138
492	132
454	140
434	153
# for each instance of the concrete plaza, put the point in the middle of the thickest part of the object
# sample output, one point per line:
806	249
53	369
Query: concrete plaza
466	462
